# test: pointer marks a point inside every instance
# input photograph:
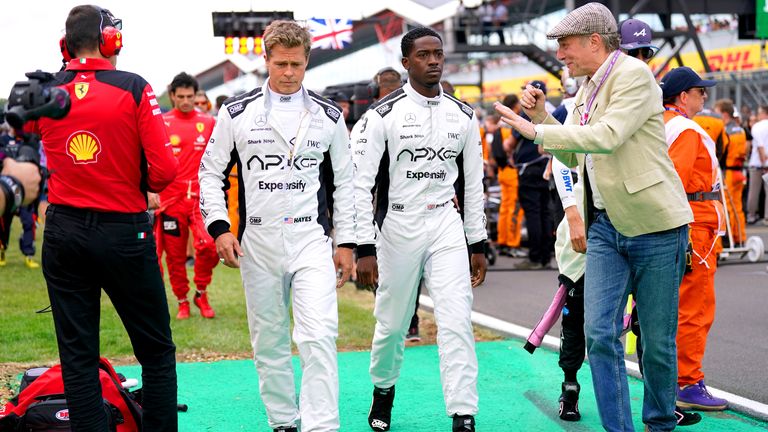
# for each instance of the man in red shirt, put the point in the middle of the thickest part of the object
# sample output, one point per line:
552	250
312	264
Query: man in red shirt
179	207
104	156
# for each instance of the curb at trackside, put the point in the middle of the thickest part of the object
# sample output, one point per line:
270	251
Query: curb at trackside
736	403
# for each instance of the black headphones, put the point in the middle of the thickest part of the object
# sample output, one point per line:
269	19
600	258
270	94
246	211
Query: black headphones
373	86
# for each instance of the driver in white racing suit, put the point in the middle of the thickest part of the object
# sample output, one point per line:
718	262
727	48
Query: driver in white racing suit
413	146
291	149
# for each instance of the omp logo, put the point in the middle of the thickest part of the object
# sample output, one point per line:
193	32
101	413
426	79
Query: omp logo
279	162
467	110
425	175
332	113
62	415
254	220
169	225
640	33
398	207
376	423
383	109
427	153
236	108
455	136
83	147
285	99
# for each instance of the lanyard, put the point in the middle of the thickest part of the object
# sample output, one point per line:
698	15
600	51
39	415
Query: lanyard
675	109
591	100
292	142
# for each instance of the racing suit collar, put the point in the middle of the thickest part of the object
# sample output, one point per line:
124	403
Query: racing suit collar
308	105
90	64
420	99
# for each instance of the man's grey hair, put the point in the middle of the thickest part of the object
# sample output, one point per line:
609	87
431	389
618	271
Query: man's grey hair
611	41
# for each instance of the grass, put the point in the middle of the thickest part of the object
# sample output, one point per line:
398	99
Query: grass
27	338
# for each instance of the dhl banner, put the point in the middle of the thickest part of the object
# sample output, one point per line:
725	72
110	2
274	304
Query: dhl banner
738	58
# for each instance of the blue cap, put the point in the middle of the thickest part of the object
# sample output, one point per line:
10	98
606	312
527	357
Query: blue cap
636	34
538	84
681	79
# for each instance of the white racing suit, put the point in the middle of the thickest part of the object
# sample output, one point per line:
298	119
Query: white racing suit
284	182
413	149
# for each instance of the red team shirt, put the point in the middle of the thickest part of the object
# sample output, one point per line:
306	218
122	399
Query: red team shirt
113	148
189	134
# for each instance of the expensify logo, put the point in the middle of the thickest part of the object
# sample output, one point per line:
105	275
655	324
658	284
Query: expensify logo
298	185
419	175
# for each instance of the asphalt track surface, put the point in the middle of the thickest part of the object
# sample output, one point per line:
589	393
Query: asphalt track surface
737	347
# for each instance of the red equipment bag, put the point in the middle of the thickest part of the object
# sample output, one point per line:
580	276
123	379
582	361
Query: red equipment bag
41	406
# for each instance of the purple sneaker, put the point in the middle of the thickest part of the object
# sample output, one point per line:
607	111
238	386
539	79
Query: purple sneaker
697	397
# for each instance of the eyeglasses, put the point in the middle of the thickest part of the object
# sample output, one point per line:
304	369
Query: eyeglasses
701	90
204	103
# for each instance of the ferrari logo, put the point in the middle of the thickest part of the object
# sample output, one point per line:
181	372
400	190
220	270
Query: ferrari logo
200	127
83	147
81	89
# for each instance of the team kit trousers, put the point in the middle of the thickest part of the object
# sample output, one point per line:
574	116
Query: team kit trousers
278	272
172	231
697	307
510	212
431	247
83	253
734	181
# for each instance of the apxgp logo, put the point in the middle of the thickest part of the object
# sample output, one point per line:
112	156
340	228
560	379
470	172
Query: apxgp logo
427	153
279	162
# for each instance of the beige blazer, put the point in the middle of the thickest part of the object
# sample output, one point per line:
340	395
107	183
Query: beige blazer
625	135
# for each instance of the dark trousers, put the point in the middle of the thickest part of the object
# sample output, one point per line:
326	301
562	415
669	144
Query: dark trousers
572	344
538	221
27	215
83	252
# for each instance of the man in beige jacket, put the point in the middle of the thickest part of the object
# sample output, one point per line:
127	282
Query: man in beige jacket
635	208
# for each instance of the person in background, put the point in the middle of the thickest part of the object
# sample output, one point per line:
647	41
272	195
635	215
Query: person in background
202	103
732	165
693	152
758	166
178	210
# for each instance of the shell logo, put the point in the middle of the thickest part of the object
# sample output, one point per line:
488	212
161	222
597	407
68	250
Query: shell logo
175	140
118	42
83	147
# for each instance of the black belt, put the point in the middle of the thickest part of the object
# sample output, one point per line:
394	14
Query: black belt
98	216
704	196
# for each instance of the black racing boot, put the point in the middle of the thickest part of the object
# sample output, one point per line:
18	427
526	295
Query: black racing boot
463	423
569	401
380	415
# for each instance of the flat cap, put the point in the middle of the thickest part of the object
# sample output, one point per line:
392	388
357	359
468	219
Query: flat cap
590	18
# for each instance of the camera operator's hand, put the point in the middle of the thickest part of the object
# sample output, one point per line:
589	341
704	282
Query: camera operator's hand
28	174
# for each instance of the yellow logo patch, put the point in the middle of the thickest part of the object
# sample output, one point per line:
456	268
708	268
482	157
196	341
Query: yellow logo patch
81	89
175	140
200	127
83	147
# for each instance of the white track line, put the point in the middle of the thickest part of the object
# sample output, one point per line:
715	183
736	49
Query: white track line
736	402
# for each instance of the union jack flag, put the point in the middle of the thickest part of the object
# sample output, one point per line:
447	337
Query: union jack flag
330	33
